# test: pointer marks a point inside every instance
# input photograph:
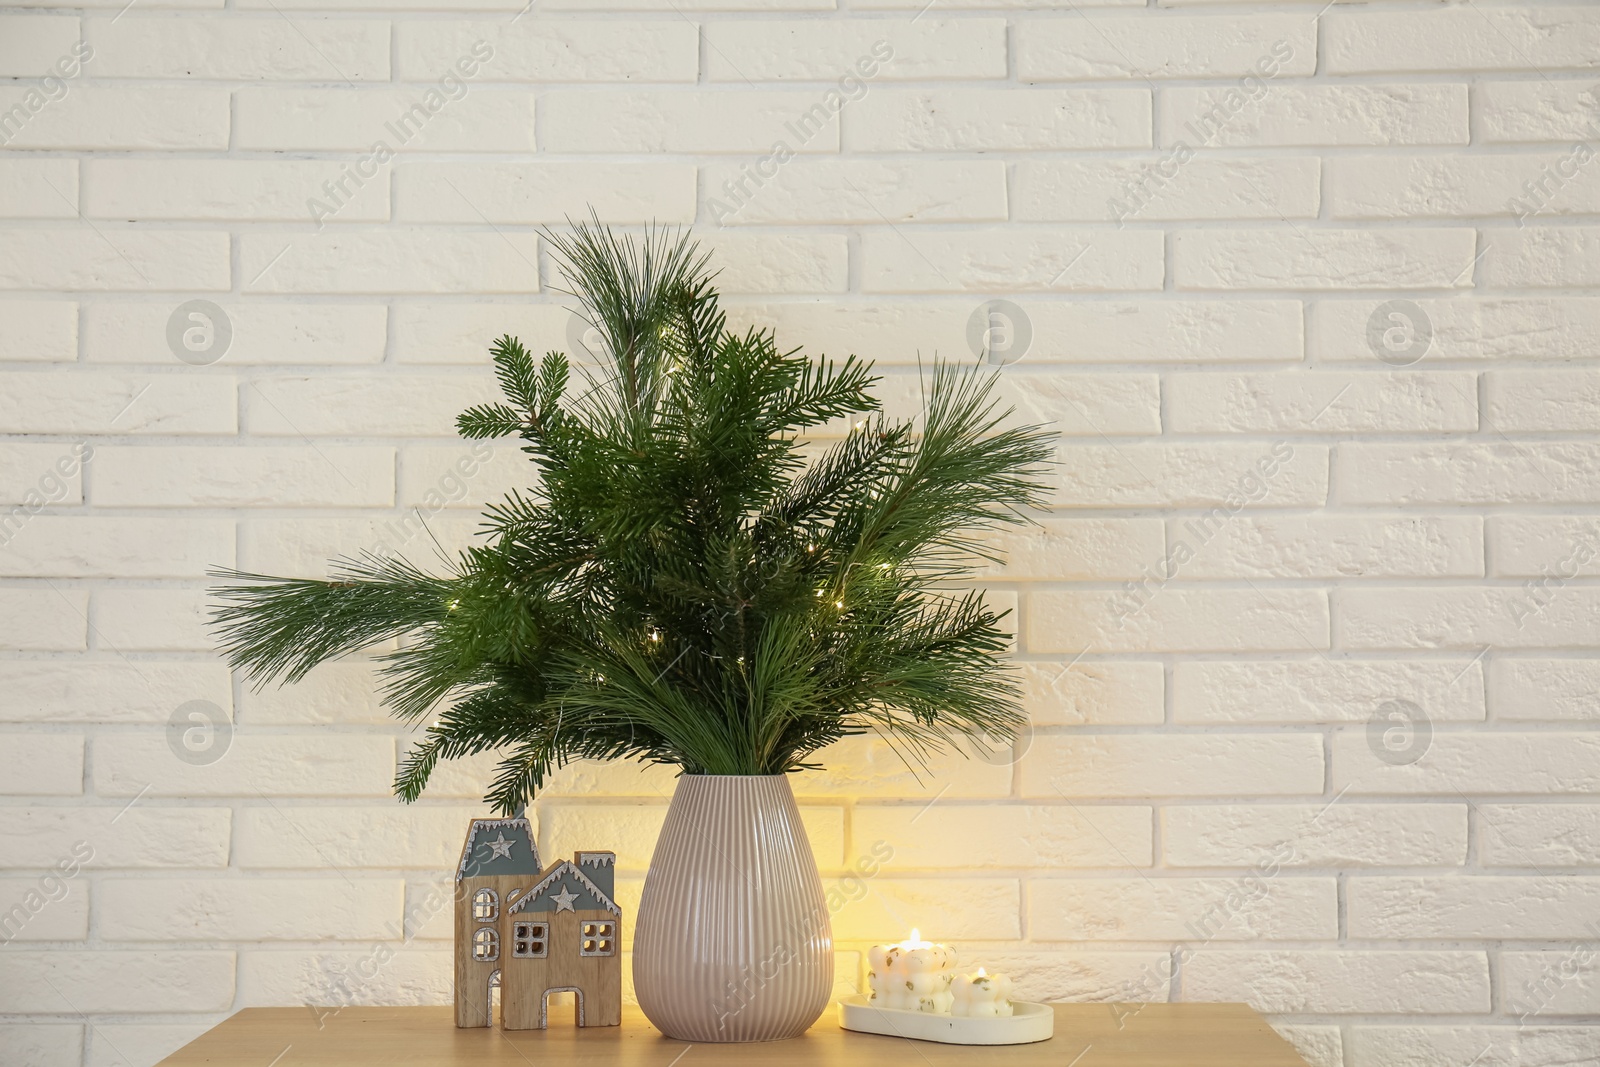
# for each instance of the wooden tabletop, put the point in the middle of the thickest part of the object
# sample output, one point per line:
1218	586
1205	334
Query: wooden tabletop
1151	1035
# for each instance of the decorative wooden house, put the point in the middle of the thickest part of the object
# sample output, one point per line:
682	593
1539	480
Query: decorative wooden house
530	931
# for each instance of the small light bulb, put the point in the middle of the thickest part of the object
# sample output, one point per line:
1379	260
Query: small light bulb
838	603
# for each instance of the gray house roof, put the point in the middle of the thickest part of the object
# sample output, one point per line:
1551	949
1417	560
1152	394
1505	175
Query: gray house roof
498	846
565	888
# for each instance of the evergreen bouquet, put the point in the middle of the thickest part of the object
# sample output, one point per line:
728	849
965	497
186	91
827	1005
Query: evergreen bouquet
686	580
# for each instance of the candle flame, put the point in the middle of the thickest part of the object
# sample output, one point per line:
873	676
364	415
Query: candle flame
916	935
980	972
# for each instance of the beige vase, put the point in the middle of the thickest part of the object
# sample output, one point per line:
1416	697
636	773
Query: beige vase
732	941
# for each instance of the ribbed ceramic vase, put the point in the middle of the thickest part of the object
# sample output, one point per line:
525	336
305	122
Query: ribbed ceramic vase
732	942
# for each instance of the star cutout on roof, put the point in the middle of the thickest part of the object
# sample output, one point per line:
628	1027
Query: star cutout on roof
500	847
564	899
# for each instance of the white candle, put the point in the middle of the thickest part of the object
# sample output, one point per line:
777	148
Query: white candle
981	996
913	975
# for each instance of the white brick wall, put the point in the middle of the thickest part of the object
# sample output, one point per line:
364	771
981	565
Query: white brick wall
1289	511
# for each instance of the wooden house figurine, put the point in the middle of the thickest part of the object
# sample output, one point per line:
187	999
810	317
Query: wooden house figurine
531	931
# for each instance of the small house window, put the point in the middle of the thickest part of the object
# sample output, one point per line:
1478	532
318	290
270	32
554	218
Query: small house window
485	905
530	940
486	945
599	939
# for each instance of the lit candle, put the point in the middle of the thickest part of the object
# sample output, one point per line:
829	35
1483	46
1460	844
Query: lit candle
913	975
981	996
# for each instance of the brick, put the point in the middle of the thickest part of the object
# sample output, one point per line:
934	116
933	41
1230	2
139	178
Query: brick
390	261
287	190
341	691
460	118
276	333
552	50
102	403
260	476
1541	38
120	836
307	547
369	405
778	263
1558	690
43	620
305	49
1093	549
1323	691
254	909
463	333
1444	906
42	1044
347	838
42	331
888	50
1469	619
1543	400
1007	261
692	5
126	1044
1316	402
1468	473
1225	475
1498	762
867	767
982	120
1153	188
1084	692
1336	834
1114	47
460	476
38	476
475	193
296	765
1331	259
1533	112
1352	981
1053	836
108	981
1538	835
1247	908
859	191
1293	116
1392	186
1319	1046
51	907
1097	331
1133	765
404	975
112	691
1476	327
38	188
153	620
630	830
90	118
1331	546
1541	257
1494	1046
122	260
964	908
42	765
614	121
1537	984
31	44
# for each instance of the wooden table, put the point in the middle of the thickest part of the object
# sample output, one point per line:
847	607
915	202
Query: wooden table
1154	1035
